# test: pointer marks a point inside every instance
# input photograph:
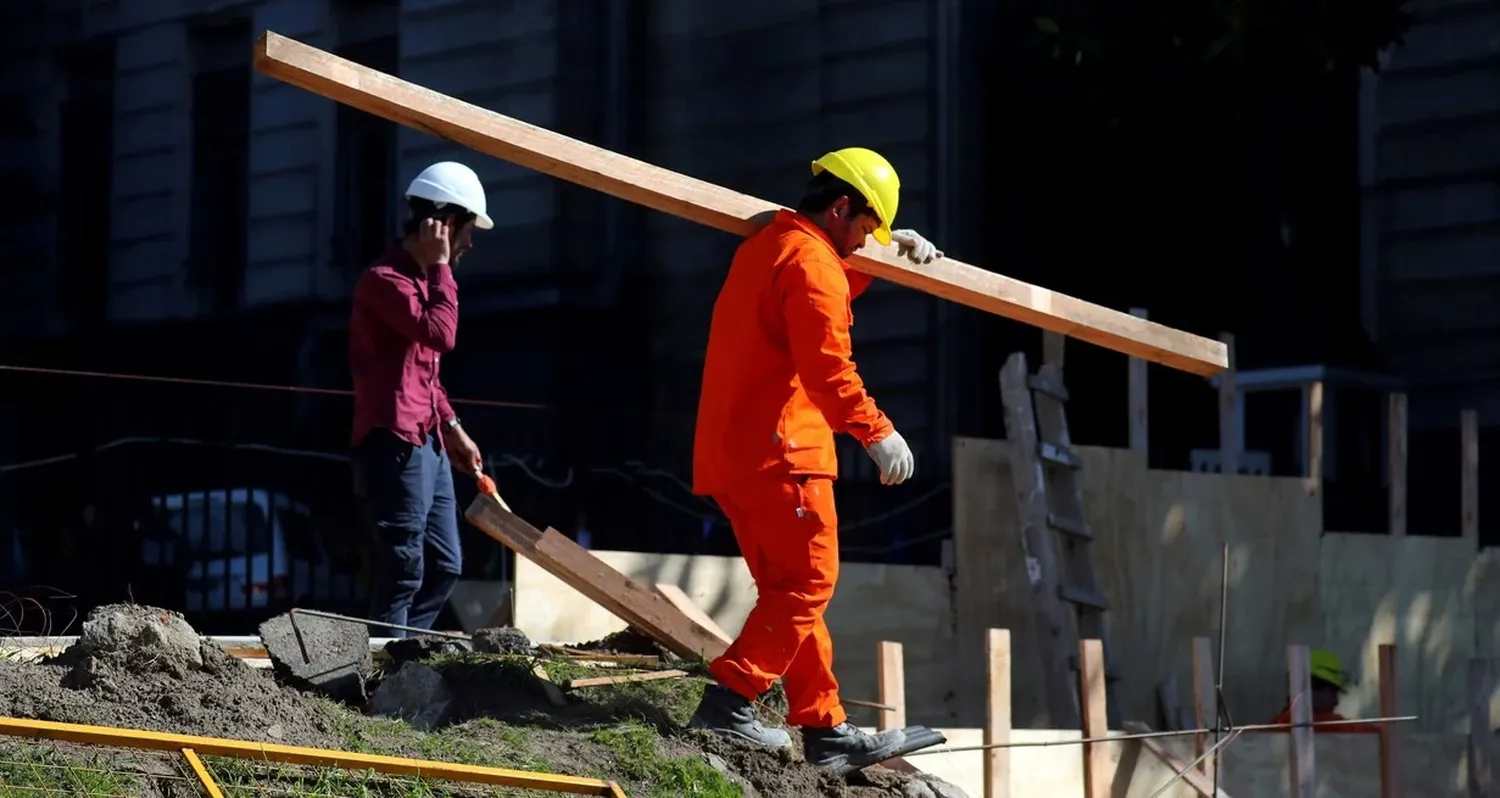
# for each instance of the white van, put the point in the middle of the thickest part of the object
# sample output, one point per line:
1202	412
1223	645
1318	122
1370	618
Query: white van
214	532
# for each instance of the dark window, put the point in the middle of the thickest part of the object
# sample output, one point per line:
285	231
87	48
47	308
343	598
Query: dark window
221	163
364	206
87	161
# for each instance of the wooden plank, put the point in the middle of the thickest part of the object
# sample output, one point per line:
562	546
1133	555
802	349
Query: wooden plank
1053	627
660	189
1229	417
1468	423
629	600
553	692
1096	764
997	720
1140	440
1390	746
891	679
606	681
1481	736
1300	752
1205	702
1191	776
688	607
1396	462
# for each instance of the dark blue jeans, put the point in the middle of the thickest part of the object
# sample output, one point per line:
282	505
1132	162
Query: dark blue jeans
407	493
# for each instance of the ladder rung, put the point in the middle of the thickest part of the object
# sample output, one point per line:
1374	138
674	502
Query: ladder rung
1053	453
1070	526
1111	674
1086	598
1051	388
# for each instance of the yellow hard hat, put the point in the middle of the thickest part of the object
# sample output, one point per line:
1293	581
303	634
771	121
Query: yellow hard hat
1326	666
872	176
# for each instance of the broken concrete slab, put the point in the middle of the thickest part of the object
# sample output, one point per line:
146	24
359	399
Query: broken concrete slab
320	655
926	785
415	649
416	694
502	640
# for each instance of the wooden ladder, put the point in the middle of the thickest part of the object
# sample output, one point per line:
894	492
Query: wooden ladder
1050	498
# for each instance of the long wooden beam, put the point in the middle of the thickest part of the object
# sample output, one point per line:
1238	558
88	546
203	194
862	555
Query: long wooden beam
661	189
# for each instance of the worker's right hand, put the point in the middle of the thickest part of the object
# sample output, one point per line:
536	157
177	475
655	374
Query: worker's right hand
894	458
432	243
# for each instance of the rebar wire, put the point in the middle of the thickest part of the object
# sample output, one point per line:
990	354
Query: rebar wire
1175	733
1221	706
1181	774
110	375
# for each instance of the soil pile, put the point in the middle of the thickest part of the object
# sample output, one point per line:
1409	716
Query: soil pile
146	668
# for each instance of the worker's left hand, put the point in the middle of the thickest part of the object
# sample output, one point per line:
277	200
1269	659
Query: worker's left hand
915	247
463	453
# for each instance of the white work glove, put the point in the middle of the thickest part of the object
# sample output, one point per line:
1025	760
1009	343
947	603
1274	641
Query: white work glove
915	247
893	457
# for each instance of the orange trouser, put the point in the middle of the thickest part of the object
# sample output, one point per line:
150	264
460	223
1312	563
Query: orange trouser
787	529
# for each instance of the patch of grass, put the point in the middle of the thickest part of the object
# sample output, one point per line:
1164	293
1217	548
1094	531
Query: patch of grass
43	770
639	758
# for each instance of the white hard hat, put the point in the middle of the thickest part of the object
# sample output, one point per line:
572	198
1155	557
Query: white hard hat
451	182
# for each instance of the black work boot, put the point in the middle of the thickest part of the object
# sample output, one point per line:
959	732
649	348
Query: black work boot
723	711
844	748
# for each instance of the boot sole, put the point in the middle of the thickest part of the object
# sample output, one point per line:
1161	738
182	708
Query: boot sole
917	738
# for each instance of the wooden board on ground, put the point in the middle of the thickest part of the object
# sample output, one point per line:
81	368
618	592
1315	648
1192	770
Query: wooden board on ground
629	600
636	181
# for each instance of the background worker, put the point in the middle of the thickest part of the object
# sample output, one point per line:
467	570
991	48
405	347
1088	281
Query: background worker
778	382
1328	683
405	319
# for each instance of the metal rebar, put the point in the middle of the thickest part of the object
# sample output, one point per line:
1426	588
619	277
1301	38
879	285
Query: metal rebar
333	616
1181	774
1158	734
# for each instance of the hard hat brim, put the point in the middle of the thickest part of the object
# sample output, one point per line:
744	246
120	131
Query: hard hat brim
483	221
882	234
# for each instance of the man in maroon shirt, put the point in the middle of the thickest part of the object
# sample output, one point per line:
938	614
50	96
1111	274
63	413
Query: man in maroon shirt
405	319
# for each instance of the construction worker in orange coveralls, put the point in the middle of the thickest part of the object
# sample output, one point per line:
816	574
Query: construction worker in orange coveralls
1328	682
778	382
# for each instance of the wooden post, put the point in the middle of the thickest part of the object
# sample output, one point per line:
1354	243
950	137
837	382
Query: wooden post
997	715
1314	414
1300	752
1136	401
1390	748
891	668
1096	777
1229	418
1468	423
1481	734
1396	462
1205	701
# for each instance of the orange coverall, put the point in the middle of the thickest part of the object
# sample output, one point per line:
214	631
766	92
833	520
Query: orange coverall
1324	717
778	382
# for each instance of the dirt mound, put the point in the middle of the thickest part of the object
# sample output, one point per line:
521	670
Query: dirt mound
629	641
146	668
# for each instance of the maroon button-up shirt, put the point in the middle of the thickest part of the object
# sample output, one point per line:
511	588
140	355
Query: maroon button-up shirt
403	322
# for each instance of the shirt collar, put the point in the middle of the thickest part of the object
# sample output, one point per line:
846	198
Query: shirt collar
796	220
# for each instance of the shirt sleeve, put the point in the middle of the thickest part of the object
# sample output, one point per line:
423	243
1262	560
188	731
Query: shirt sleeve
814	298
444	410
394	300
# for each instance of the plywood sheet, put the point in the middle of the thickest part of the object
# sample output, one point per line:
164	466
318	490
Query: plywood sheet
1157	551
906	604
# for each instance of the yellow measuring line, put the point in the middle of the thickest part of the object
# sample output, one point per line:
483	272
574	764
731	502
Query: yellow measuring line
296	755
204	777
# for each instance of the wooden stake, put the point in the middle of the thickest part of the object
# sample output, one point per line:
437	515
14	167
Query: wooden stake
1313	412
1205	701
1136	401
1468	423
550	689
997	715
1481	731
635	181
1229	419
1390	748
892	684
1396	462
1096	776
1300	752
